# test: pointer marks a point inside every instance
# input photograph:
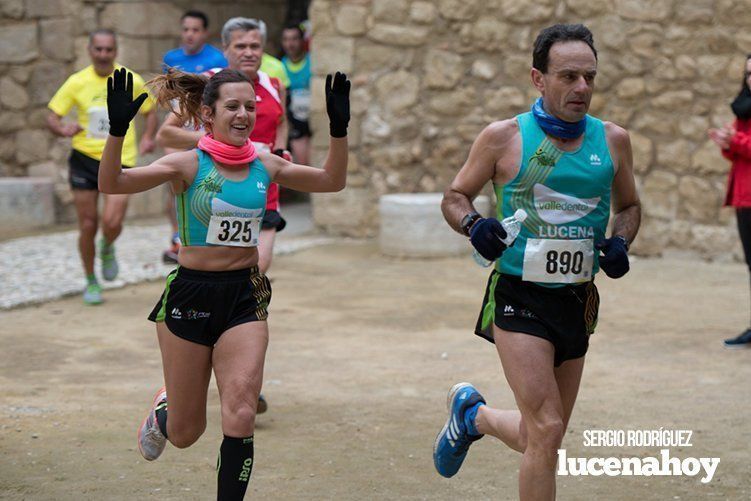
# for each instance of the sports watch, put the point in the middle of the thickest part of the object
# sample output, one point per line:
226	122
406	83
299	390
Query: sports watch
625	242
468	220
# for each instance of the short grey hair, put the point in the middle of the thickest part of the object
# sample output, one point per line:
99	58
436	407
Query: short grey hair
243	24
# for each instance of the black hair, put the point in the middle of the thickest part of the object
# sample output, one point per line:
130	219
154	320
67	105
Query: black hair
191	90
198	15
559	33
295	26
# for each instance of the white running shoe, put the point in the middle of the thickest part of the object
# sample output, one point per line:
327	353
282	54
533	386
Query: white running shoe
151	442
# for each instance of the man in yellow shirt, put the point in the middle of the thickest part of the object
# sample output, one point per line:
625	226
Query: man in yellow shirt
86	91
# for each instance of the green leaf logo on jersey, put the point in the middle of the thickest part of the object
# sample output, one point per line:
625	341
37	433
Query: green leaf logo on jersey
210	184
543	158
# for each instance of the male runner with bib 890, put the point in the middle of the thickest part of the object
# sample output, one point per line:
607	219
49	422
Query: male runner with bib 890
560	165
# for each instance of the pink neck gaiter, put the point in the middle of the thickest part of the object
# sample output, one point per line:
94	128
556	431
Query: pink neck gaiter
228	154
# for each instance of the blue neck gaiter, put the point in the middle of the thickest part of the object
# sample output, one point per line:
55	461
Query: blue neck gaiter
555	126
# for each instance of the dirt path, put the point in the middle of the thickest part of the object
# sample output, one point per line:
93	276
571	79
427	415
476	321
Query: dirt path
363	350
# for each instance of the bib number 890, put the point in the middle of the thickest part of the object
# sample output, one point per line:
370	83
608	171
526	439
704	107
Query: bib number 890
235	231
564	262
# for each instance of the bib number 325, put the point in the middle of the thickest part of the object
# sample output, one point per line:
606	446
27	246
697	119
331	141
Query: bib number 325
234	231
558	261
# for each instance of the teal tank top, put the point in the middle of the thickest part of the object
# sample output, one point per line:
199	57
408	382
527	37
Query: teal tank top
567	199
231	209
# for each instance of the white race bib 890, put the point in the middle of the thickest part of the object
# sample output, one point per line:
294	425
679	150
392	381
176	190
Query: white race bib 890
234	231
99	123
549	260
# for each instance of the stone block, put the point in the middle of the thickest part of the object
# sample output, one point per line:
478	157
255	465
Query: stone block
18	43
12	9
143	19
523	12
11	120
674	155
12	95
588	8
371	57
390	11
31	146
331	54
349	212
57	38
423	12
505	101
412	225
26	203
46	78
43	169
660	195
642	148
352	19
49	8
397	91
699	199
708	160
134	53
643	10
20	74
458	10
394	34
443	69
147	204
484	69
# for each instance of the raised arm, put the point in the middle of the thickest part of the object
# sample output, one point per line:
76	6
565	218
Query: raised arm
333	176
112	178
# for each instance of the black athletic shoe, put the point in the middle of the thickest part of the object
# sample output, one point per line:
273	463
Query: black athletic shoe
742	341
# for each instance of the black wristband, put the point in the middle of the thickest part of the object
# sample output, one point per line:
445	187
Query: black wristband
337	130
118	130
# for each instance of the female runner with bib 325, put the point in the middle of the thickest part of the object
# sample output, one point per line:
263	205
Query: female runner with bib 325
213	311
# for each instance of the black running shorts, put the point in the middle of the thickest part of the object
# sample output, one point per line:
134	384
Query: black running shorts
83	171
566	316
201	305
298	129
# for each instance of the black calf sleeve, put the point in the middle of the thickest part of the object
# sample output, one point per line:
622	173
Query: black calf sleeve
234	467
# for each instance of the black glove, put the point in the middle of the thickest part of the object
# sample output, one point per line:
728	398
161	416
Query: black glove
614	258
486	235
337	104
120	104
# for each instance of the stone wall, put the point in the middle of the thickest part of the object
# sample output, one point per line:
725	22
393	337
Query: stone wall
43	41
429	75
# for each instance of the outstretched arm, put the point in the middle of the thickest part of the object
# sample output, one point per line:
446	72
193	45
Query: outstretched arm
333	176
122	108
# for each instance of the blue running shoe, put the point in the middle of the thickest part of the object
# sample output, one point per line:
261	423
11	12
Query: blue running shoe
452	443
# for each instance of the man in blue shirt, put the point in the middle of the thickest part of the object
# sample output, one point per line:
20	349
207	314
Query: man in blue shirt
194	55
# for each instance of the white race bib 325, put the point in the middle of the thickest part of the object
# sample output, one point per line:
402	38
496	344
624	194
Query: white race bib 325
234	231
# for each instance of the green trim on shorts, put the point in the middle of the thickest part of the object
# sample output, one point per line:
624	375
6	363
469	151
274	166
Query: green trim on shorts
488	314
162	311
